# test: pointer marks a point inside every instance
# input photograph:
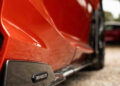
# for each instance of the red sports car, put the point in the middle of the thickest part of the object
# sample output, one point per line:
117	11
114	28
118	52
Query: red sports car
112	32
44	41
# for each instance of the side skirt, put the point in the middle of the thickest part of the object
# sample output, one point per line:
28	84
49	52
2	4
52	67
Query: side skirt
62	74
21	73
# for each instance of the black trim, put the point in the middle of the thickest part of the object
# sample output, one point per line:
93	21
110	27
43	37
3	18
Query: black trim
19	73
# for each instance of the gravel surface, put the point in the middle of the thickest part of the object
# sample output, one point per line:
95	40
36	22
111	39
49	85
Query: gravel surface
109	76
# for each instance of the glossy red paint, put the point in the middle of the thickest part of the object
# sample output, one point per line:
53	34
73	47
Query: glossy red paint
49	31
95	3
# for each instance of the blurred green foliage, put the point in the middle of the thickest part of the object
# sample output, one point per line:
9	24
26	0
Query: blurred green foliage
118	19
109	17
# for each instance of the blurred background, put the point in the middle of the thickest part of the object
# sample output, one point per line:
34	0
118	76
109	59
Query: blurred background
112	10
112	21
110	75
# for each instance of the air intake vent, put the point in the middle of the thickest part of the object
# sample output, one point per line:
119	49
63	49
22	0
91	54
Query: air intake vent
1	40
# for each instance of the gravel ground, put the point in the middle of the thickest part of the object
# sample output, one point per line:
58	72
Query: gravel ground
109	76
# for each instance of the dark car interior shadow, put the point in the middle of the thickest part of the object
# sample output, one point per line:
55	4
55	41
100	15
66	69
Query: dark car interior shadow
113	43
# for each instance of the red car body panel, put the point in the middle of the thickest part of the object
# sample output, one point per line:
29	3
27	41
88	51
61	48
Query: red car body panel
48	31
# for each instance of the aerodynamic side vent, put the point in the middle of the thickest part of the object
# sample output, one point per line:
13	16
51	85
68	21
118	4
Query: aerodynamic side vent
1	40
